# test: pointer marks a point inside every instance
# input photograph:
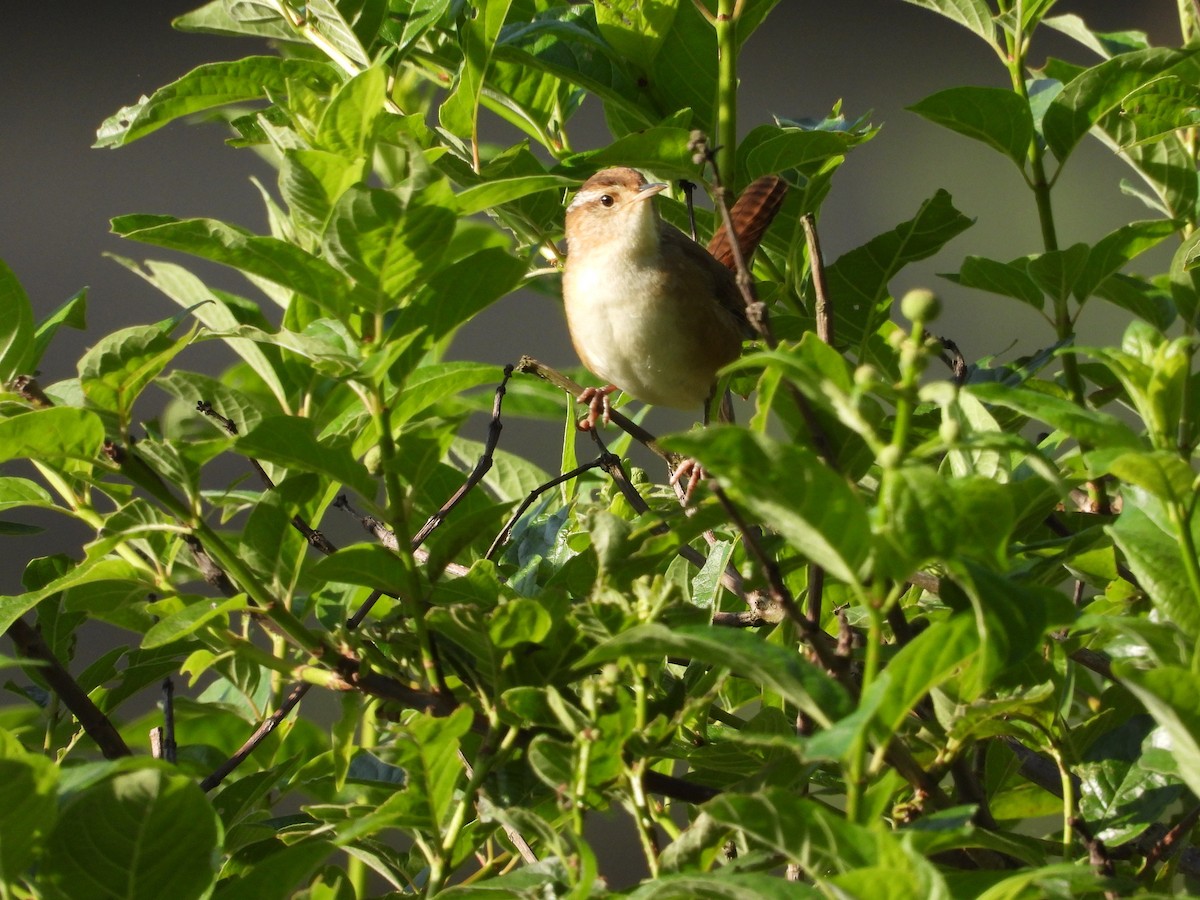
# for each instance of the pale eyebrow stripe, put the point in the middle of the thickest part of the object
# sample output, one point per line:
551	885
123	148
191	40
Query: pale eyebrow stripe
587	197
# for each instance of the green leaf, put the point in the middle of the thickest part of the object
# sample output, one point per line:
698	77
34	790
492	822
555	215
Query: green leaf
406	25
431	384
490	194
147	833
51	434
312	181
1185	278
459	291
860	278
427	750
210	86
213	311
289	441
1159	472
389	247
1140	297
934	518
279	874
28	809
1057	272
117	369
18	492
1085	425
257	18
347	126
191	389
1119	795
1104	44
813	508
1100	90
266	257
329	21
975	15
724	885
370	565
1114	250
635	29
564	44
16	328
1010	279
769	149
120	575
517	622
1169	695
72	313
459	112
662	150
816	838
998	117
941	651
188	620
746	655
1010	618
1155	558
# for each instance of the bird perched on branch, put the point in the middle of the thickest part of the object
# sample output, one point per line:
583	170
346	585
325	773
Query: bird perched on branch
650	310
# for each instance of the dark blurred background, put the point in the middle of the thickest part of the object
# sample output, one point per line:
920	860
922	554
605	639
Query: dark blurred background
66	66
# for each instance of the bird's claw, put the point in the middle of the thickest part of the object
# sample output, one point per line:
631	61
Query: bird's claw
599	406
688	473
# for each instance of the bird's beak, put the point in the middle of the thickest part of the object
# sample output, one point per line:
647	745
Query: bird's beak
646	191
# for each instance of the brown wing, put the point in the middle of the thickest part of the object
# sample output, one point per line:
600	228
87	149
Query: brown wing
752	214
705	276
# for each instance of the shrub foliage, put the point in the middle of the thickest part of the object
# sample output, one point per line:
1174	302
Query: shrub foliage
928	631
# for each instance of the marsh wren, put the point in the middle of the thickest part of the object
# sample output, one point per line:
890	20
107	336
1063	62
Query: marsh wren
650	310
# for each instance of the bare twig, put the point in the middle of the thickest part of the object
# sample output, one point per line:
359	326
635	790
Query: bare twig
168	733
533	495
817	639
1171	841
822	310
689	188
953	358
268	725
816	590
31	645
315	539
482	467
1097	853
637	432
756	311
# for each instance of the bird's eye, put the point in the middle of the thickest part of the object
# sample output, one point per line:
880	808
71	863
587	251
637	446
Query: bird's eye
606	200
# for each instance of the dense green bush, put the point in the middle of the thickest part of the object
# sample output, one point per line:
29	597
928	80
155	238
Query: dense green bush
928	632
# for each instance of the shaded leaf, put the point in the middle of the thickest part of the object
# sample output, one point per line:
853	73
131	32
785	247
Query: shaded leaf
145	833
1169	695
16	328
746	655
999	118
812	507
1100	90
289	441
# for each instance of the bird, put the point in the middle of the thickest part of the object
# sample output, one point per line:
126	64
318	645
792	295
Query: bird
649	310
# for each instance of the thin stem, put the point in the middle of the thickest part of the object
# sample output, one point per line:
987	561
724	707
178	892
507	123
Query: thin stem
727	50
398	522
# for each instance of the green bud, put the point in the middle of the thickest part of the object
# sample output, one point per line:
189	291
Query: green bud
920	305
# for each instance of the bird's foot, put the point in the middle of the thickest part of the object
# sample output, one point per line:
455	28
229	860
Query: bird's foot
687	477
599	406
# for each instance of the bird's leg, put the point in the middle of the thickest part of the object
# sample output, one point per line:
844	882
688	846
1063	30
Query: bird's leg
688	473
599	406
